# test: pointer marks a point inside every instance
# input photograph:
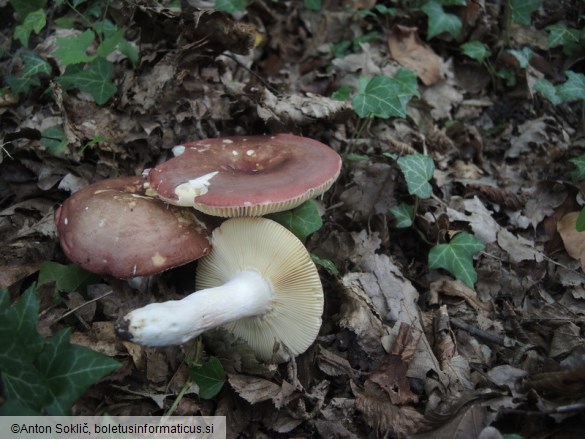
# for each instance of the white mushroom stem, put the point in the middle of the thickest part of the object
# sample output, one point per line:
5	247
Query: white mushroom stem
247	294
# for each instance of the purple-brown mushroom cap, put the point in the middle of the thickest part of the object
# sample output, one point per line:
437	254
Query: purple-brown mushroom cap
111	227
246	176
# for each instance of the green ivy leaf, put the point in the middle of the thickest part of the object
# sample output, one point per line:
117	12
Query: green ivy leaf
95	79
507	75
561	35
34	22
418	170
580	225
579	162
342	94
34	64
21	85
109	44
404	215
573	88
547	90
25	7
353	157
476	50
313	5
210	378
522	10
18	323
326	264
128	49
67	278
73	50
338	50
55	141
302	220
231	6
42	375
522	56
385	97
457	257
407	80
70	369
440	21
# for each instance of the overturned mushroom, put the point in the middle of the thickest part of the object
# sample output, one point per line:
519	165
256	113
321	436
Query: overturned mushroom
246	176
259	282
111	227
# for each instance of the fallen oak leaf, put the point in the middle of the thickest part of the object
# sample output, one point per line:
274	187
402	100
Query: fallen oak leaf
574	241
407	48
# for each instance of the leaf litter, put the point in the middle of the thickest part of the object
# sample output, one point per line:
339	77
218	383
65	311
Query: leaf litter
405	349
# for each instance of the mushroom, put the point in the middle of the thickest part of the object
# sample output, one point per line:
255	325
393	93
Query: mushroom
246	176
258	282
111	227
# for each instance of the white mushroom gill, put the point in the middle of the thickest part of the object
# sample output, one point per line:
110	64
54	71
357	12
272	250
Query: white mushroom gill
258	282
187	192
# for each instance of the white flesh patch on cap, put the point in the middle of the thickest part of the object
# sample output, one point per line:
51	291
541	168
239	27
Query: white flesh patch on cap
178	150
187	192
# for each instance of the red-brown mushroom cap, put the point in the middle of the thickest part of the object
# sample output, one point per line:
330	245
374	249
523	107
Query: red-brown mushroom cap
110	227
246	176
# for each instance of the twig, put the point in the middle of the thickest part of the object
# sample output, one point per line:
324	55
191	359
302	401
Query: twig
478	332
84	304
252	72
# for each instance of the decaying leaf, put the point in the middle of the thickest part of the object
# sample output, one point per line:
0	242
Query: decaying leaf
391	374
456	288
408	49
519	248
574	241
381	414
253	389
297	109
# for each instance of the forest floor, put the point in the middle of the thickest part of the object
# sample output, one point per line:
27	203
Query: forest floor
489	341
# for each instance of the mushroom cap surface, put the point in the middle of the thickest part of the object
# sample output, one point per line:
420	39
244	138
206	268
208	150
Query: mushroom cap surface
246	176
111	227
293	318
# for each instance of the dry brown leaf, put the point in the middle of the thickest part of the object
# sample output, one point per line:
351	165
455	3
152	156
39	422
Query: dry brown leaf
382	415
391	373
456	288
502	196
333	365
574	241
297	109
560	383
12	273
519	248
467	424
253	389
543	199
157	366
411	52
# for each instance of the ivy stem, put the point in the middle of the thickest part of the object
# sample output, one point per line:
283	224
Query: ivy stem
188	381
362	124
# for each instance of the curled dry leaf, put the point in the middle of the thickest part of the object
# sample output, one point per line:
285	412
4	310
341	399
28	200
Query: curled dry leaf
411	52
574	241
456	288
380	413
297	109
502	196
